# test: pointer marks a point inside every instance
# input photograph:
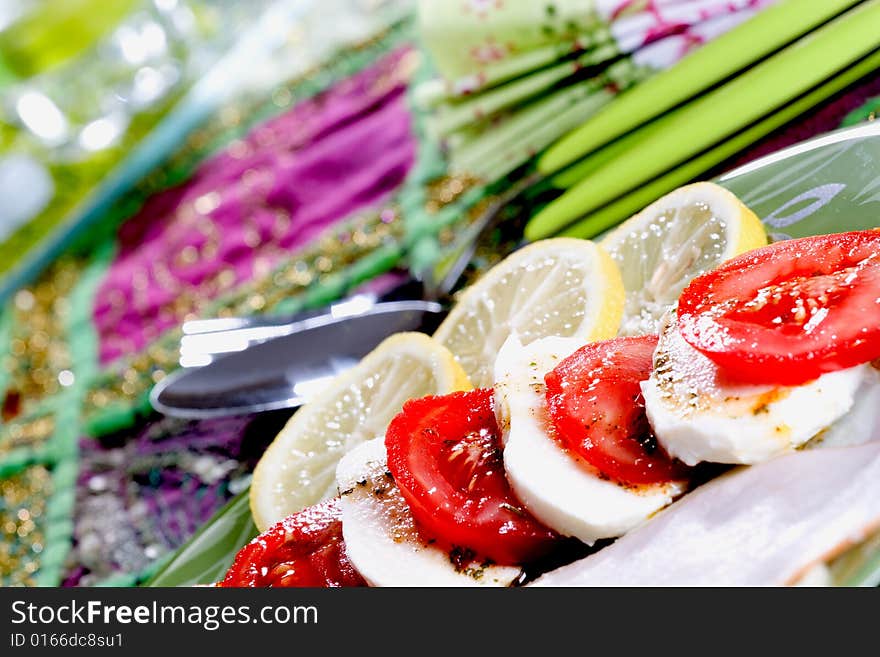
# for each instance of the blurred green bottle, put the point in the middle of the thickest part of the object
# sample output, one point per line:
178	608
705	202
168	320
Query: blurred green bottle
46	33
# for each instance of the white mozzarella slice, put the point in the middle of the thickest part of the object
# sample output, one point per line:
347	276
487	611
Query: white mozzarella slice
764	525
699	415
381	539
560	489
855	427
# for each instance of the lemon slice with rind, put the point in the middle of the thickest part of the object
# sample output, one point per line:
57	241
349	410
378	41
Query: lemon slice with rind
299	467
688	232
557	287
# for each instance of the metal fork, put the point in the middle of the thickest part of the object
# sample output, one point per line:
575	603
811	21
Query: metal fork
206	339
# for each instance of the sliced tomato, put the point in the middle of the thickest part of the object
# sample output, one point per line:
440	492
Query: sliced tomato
304	550
445	456
597	412
787	313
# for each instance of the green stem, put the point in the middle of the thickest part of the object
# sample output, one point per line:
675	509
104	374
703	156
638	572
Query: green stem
519	125
720	114
621	209
432	93
542	135
771	29
453	117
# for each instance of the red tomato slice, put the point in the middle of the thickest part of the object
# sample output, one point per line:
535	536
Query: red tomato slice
303	550
596	407
787	313
445	455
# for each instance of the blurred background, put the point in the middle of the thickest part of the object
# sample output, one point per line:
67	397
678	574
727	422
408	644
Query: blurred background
169	160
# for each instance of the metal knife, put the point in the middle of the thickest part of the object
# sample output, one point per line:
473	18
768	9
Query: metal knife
285	371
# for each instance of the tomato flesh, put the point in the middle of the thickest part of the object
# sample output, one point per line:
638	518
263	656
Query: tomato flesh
446	458
596	408
303	550
789	312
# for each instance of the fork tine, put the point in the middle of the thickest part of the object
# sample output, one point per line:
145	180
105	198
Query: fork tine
195	348
198	326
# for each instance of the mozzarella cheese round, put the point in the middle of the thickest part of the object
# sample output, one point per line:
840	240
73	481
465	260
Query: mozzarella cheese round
857	426
381	539
560	489
699	415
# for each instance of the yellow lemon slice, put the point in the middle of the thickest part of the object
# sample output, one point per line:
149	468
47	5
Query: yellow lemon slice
686	233
299	467
557	287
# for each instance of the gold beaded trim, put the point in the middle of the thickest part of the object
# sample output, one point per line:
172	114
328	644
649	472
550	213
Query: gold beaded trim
38	363
22	433
22	505
447	190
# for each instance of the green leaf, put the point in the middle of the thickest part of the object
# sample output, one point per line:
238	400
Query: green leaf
206	557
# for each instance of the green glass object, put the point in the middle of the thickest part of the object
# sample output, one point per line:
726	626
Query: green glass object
56	31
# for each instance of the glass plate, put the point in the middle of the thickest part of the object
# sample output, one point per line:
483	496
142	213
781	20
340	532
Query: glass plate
829	184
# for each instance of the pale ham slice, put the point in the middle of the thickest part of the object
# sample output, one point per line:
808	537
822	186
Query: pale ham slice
764	525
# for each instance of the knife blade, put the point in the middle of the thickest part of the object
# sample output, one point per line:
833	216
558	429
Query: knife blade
286	371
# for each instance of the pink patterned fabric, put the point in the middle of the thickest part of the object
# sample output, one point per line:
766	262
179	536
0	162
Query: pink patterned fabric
261	198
